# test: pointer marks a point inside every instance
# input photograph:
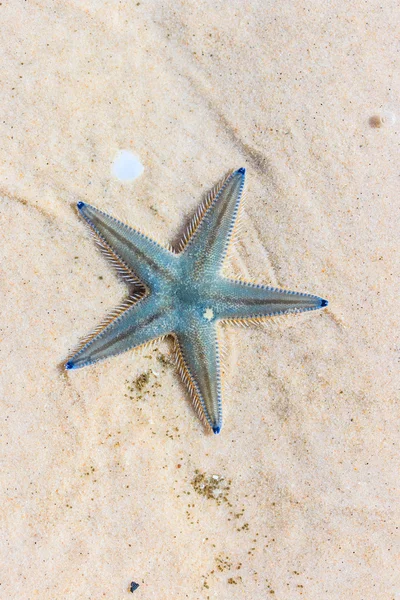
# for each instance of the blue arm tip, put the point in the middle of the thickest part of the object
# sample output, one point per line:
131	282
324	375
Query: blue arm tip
216	429
324	303
80	204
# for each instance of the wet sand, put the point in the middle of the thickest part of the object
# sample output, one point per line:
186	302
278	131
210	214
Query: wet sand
107	475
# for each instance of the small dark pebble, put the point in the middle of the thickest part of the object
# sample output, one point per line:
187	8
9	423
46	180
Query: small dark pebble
375	121
134	586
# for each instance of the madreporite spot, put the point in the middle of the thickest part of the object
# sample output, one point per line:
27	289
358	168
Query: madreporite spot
208	314
127	166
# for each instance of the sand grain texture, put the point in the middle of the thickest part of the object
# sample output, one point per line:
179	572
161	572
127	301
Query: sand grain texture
106	473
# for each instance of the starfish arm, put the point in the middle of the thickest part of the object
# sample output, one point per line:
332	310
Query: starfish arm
198	358
240	300
207	247
146	320
138	253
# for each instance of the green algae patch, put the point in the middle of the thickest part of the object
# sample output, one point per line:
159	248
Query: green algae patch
213	487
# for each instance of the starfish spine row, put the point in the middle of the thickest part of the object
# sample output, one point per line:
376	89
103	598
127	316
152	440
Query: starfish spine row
187	379
201	211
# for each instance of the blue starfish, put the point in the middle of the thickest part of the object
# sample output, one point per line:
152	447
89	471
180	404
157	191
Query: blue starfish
183	293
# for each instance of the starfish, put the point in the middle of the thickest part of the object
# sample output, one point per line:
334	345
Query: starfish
183	293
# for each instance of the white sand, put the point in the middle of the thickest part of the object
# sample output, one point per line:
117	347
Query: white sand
98	482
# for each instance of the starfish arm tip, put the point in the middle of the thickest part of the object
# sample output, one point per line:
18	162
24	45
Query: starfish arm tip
216	429
323	303
80	205
69	365
242	171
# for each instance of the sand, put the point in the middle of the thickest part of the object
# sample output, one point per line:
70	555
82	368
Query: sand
107	476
